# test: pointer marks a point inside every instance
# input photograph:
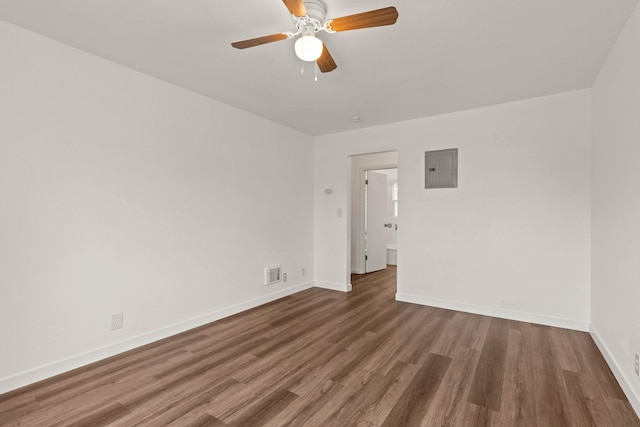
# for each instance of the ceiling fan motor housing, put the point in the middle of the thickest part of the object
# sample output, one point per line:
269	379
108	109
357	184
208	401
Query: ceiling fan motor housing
316	15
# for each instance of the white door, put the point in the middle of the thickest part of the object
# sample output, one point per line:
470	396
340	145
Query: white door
376	214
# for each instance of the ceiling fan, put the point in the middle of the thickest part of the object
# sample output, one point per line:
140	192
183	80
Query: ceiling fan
309	18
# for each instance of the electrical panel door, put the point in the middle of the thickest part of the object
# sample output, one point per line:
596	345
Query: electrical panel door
441	168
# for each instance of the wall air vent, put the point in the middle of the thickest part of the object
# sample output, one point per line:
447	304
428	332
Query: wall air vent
272	274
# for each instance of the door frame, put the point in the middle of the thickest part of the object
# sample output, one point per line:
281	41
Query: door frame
360	213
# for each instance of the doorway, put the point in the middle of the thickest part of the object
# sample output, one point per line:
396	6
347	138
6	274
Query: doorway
381	219
374	212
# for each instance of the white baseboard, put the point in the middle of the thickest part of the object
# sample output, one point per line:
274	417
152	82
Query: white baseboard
60	366
624	382
496	312
342	287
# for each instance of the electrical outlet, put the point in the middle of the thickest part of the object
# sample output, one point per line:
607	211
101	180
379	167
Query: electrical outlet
284	277
117	321
637	365
303	272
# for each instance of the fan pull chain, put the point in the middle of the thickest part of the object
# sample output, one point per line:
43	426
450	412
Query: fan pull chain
316	67
301	67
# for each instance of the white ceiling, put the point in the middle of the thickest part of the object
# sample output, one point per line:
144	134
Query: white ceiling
441	56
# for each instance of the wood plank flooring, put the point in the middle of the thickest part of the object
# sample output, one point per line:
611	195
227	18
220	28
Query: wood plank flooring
325	358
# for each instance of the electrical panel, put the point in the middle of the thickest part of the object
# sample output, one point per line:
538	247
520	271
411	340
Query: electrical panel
441	168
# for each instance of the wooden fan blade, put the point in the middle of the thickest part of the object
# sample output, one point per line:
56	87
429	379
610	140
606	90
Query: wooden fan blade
373	18
326	62
259	40
296	7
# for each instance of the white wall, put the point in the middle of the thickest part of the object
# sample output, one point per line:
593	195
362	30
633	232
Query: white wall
615	306
119	192
513	240
357	166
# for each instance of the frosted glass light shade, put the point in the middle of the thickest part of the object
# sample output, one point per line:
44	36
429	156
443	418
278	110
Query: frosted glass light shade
308	47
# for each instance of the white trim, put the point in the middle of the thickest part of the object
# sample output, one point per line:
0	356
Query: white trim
342	287
497	312
31	376
624	382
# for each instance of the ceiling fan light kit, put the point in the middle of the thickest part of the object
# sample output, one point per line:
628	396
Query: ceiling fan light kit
308	48
309	18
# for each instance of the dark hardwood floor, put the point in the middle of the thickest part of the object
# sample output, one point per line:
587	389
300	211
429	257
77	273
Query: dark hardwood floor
325	358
